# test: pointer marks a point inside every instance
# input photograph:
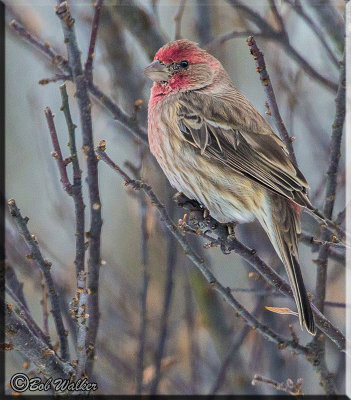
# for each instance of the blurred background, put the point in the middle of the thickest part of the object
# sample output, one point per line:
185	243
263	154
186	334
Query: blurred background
200	325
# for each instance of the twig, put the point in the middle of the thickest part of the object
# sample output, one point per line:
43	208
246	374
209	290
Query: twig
143	27
316	242
331	184
178	20
34	349
265	28
233	349
220	39
295	389
124	119
44	48
55	78
44	304
145	282
327	380
272	102
203	23
297	7
84	105
77	184
331	19
190	323
278	19
14	284
44	266
168	293
57	154
24	313
200	226
265	331
342	215
94	30
83	326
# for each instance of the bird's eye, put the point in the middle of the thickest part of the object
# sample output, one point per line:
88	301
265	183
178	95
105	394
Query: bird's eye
184	64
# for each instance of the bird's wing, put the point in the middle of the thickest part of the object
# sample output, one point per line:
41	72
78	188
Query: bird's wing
222	133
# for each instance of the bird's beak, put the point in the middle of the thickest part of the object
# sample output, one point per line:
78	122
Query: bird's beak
157	72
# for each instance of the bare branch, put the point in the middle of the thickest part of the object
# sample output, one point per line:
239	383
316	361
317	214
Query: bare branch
168	293
295	389
331	185
297	7
178	20
57	154
34	349
77	184
57	60
272	102
83	326
24	313
94	30
84	105
265	28
265	331
331	19
44	266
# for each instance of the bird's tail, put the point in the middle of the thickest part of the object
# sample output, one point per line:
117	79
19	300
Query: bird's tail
281	221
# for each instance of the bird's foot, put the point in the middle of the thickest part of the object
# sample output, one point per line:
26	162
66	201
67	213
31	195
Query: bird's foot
185	202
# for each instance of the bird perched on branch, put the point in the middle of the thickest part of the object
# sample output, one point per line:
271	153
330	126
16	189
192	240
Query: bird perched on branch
216	148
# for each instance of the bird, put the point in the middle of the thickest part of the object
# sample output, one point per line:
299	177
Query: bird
217	149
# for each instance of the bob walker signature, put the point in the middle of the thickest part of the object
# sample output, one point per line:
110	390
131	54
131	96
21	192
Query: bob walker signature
21	382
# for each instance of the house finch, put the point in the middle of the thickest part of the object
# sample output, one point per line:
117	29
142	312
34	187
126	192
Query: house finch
216	148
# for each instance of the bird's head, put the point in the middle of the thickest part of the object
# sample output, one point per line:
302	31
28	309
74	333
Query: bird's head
182	65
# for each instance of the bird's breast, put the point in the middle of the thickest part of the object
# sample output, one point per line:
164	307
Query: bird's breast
228	195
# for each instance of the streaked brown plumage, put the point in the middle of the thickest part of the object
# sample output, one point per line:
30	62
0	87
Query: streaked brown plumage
216	148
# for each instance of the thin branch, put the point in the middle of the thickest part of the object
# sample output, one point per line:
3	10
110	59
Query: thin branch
331	185
278	19
265	28
143	27
192	341
200	226
330	18
55	78
327	380
265	331
57	154
168	293
124	119
44	305
316	242
297	7
34	349
14	284
44	266
178	20
295	389
145	279
44	47
272	102
342	215
233	349
77	184
83	326
25	314
82	94
94	30
220	39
